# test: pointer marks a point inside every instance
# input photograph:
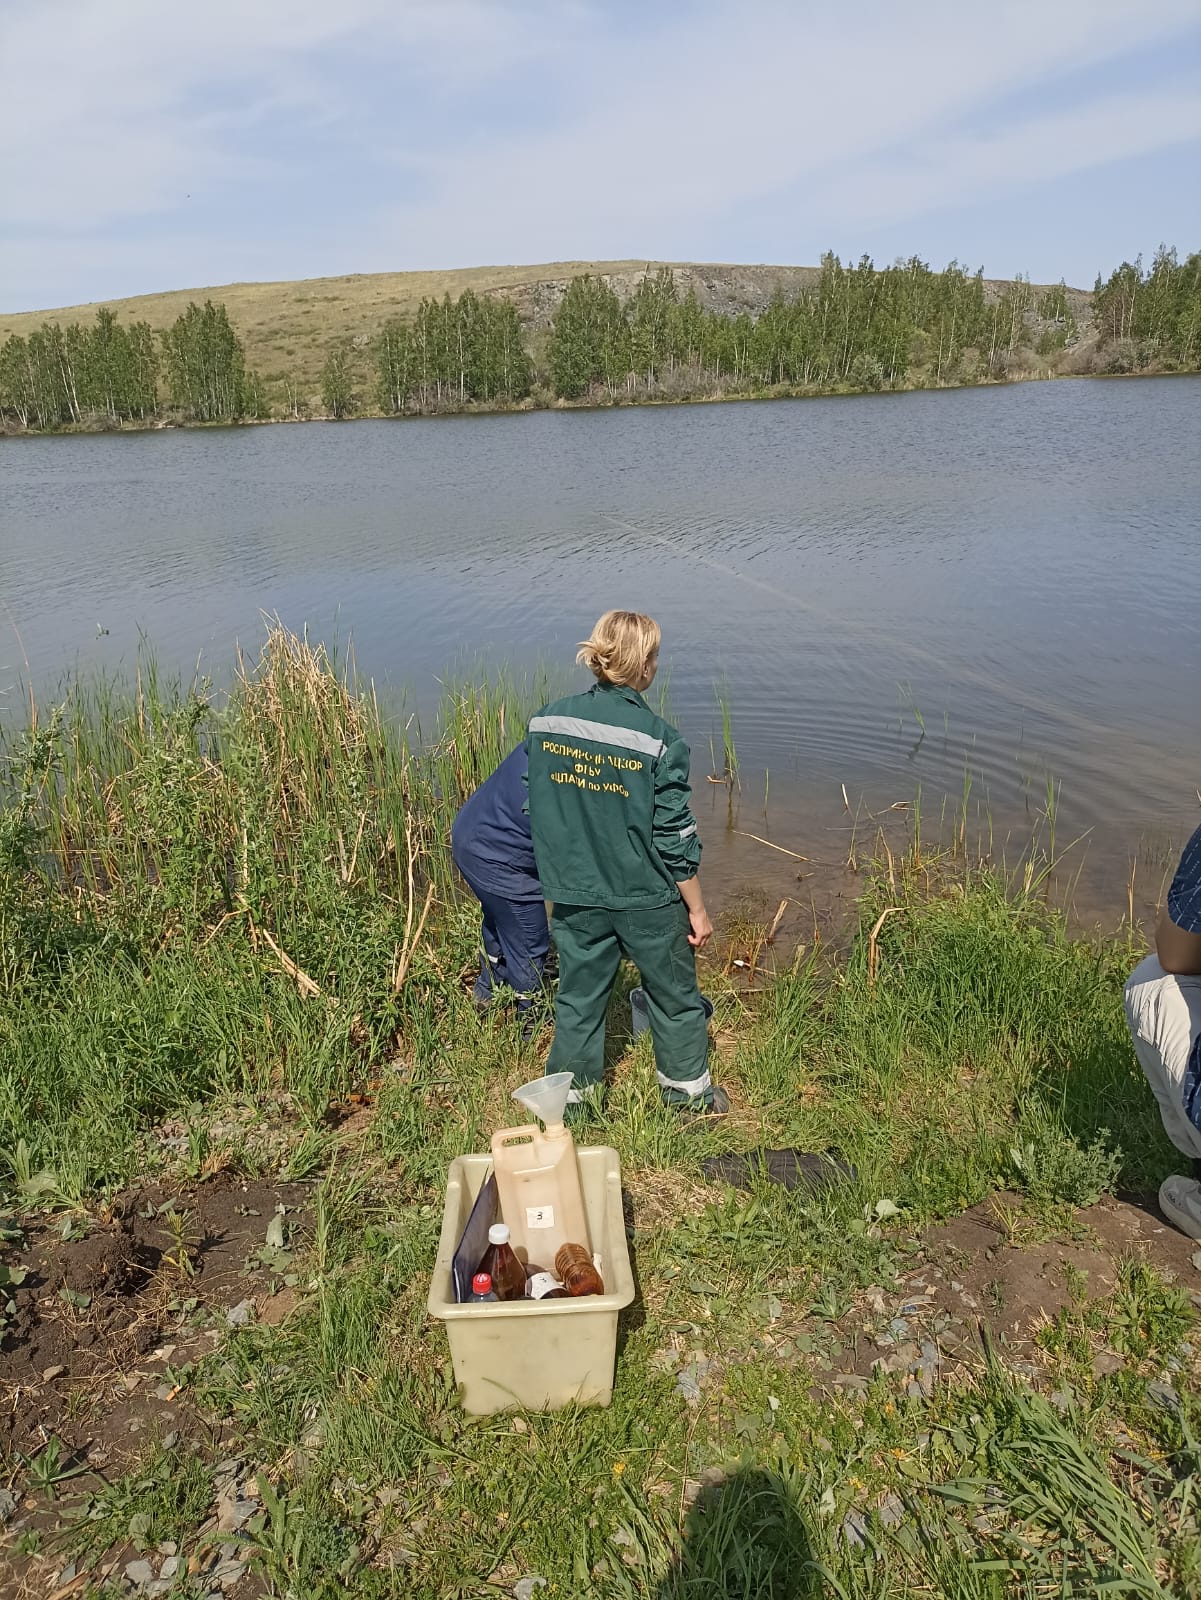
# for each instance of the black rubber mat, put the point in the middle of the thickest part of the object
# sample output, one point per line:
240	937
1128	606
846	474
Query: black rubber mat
793	1169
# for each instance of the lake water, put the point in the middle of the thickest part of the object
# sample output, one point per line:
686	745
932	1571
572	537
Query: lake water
1015	570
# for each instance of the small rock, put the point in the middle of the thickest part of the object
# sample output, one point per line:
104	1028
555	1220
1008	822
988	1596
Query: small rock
1061	1399
230	1573
1105	1362
240	1315
1164	1396
66	1574
890	1511
520	1425
233	1513
899	1328
169	1567
140	1574
50	1373
8	1505
854	1529
688	1382
526	1588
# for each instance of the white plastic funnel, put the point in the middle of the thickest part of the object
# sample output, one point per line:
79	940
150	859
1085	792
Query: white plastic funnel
546	1098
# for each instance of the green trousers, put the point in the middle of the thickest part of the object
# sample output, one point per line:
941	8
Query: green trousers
591	942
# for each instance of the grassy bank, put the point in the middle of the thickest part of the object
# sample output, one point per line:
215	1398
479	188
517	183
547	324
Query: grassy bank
231	954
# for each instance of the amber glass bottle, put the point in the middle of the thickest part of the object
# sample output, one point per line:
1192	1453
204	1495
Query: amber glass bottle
574	1267
502	1266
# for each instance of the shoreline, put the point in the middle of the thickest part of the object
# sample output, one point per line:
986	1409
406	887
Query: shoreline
783	392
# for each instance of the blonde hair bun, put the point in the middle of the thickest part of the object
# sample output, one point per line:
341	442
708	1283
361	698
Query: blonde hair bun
620	646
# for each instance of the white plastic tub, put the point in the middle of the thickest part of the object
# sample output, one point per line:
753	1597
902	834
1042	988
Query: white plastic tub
536	1354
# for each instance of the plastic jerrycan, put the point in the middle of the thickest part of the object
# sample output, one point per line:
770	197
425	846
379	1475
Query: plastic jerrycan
538	1176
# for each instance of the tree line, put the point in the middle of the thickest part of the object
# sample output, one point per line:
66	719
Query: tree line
854	326
110	372
1158	312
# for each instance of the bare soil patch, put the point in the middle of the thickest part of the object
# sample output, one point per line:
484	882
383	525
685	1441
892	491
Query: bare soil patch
975	1279
100	1320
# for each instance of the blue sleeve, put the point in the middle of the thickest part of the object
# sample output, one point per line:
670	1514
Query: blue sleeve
1184	897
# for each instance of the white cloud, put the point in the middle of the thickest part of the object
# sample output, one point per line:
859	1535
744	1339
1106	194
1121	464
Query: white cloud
767	100
117	108
1034	149
652	135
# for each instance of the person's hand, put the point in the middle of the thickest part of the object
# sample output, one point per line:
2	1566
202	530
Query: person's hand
702	928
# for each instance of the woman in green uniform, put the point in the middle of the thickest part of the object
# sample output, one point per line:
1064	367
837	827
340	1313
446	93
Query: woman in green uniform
617	850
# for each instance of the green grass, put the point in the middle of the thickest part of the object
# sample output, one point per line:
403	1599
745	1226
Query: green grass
251	902
202	898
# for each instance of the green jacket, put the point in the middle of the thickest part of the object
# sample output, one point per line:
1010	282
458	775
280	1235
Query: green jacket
609	800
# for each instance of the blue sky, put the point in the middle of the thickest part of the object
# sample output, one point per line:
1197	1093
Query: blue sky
156	144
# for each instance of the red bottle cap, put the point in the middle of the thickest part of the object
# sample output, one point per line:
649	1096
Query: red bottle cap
482	1283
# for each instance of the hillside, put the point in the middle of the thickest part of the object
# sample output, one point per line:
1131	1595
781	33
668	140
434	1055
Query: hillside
287	327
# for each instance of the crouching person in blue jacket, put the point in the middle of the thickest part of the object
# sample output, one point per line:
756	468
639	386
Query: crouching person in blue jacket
491	845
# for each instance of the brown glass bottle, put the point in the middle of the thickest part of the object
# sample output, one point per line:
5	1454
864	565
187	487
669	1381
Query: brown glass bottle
574	1267
502	1266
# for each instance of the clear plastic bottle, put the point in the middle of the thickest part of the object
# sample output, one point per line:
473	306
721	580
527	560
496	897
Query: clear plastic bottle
481	1289
502	1266
576	1270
